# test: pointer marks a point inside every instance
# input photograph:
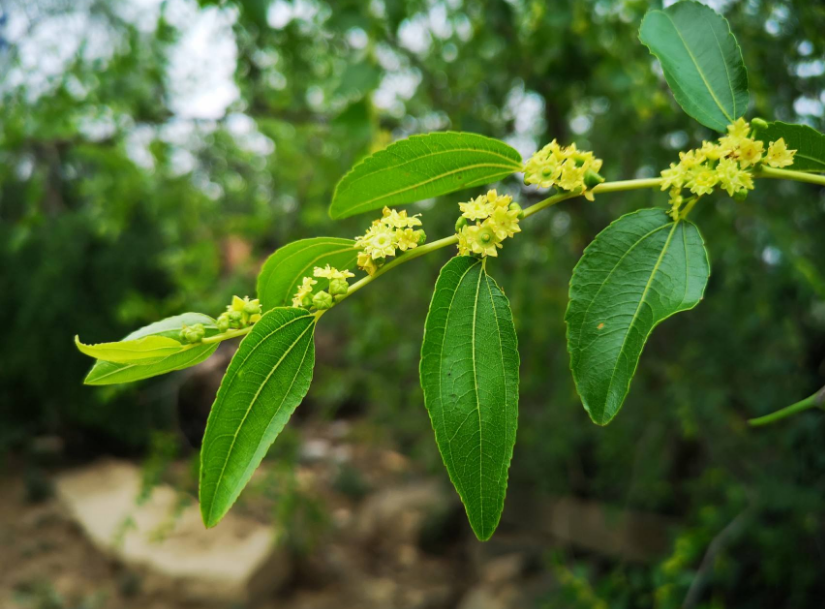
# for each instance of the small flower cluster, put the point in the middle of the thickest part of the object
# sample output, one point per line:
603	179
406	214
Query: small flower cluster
192	334
324	299
495	219
564	167
395	230
728	164
240	314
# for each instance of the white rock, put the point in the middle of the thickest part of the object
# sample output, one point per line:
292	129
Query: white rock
236	561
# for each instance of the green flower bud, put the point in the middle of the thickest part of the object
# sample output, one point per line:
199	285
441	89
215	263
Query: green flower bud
193	334
338	286
759	123
591	178
322	300
223	322
252	308
307	301
741	195
422	236
516	207
460	223
235	319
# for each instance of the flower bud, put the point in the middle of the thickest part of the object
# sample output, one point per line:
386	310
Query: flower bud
338	286
252	307
235	319
759	123
421	235
307	301
460	223
193	334
740	195
591	178
322	300
223	322
516	207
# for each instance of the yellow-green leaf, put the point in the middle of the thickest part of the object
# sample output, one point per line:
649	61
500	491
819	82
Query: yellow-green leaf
109	373
147	350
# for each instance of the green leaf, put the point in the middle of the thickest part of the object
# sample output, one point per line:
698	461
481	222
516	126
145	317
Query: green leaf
808	143
266	380
283	271
420	167
469	373
639	271
147	350
701	60
109	373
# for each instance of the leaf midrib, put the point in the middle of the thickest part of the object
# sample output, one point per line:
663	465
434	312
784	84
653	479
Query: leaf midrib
699	69
257	393
578	348
648	285
418	158
369	202
457	481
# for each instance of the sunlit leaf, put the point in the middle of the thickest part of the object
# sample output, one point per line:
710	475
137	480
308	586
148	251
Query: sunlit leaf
147	350
469	373
420	167
110	373
639	271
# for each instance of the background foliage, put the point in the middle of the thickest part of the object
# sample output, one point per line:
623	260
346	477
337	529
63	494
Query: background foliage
125	197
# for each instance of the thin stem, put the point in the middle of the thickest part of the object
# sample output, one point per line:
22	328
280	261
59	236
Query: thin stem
617	186
788	174
817	400
219	338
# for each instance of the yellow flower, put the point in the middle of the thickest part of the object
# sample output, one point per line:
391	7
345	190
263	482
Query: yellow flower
366	263
711	151
379	241
464	248
675	176
481	239
304	290
750	152
690	159
740	128
702	180
498	200
779	155
572	177
399	219
732	178
504	222
237	304
331	273
476	209
406	239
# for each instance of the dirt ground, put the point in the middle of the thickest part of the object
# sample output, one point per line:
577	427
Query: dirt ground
369	548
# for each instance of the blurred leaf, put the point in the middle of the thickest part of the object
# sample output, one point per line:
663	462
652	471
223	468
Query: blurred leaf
469	373
266	380
147	350
110	373
807	141
639	271
283	271
420	167
701	60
